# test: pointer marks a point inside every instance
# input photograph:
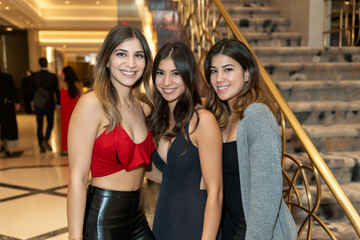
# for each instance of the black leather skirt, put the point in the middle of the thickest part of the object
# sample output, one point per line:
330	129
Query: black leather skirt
115	215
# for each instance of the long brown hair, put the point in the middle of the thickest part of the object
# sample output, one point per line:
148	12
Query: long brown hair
159	119
102	85
253	91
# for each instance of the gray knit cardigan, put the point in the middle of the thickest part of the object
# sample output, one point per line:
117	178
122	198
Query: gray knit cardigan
259	155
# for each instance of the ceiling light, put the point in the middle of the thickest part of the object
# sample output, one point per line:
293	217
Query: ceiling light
7	8
97	2
67	2
9	29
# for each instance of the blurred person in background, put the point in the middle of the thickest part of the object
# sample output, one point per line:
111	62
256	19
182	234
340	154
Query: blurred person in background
9	104
44	81
70	91
26	90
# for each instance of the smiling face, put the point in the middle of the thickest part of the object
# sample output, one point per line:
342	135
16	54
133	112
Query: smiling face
227	77
127	63
169	82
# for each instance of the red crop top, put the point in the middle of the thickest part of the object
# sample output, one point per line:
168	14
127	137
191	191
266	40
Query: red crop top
116	151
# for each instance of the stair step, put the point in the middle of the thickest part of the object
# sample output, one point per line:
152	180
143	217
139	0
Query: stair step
337	137
246	1
307	54
275	39
345	166
329	208
326	84
326	112
253	12
342	229
264	25
324	106
310	71
329	90
338	130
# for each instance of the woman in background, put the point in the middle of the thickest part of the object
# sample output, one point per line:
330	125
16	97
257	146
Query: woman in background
9	104
188	151
253	206
70	91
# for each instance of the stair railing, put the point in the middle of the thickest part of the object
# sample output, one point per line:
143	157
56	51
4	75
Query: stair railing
342	17
202	21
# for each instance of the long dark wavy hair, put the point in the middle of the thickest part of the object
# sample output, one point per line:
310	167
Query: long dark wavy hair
102	85
253	91
70	79
159	120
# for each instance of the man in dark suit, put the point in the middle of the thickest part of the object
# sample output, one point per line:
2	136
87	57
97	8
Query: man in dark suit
48	81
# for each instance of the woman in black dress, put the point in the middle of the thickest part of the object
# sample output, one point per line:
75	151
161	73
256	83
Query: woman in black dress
9	104
188	151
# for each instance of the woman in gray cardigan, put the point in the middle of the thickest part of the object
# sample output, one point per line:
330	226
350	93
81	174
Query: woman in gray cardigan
253	207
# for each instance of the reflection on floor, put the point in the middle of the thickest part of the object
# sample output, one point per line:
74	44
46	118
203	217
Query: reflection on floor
33	188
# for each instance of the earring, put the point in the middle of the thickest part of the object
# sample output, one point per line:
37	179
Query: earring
246	76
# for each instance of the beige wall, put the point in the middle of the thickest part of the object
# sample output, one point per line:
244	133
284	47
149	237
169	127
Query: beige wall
306	17
34	50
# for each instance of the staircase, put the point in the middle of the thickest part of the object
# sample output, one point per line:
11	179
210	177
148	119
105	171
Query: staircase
322	87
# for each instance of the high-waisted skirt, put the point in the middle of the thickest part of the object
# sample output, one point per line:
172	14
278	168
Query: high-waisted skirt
115	215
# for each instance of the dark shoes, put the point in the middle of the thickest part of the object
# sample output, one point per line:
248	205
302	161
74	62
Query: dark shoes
5	151
45	145
42	150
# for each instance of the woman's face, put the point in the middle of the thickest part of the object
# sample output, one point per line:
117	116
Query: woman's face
168	81
127	63
227	77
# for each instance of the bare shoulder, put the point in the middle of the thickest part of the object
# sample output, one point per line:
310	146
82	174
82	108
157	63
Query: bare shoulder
207	132
89	105
207	121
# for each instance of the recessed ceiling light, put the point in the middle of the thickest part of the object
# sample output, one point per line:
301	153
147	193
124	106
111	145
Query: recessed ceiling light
7	8
67	2
9	29
97	2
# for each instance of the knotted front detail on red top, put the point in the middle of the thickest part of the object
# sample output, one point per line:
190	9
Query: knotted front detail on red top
116	151
130	154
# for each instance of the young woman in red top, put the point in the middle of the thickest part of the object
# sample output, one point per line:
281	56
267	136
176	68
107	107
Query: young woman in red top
108	135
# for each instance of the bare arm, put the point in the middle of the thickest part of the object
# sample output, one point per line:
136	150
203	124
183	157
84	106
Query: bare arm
83	128
153	173
209	142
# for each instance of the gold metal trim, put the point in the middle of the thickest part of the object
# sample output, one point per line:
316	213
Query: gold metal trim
347	12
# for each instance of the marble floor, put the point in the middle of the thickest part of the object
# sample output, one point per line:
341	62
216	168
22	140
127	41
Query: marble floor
33	188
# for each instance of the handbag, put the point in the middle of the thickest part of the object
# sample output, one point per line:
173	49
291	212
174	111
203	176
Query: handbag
42	97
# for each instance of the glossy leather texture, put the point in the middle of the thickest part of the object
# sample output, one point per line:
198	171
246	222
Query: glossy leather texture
115	215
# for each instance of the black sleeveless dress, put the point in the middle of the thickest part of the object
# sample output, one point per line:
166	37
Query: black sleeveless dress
233	223
180	207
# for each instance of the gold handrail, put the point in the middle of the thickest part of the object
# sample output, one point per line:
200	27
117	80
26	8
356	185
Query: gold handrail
202	30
